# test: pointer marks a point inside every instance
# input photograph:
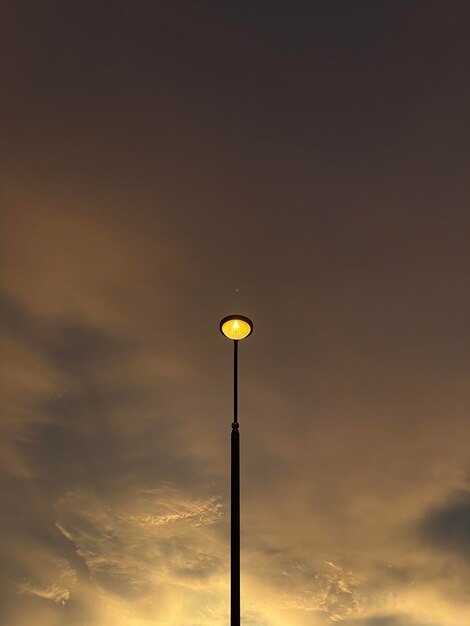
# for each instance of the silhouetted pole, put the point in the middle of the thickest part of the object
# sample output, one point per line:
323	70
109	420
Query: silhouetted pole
235	327
235	503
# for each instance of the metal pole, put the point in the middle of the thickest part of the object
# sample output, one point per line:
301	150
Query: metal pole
235	503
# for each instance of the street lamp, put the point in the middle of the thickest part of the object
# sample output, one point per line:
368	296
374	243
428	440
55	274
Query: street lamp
236	328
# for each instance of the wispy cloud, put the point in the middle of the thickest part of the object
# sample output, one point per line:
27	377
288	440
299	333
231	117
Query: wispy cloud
336	593
54	580
147	537
167	505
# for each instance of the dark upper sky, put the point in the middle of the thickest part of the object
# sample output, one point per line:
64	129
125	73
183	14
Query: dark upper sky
303	163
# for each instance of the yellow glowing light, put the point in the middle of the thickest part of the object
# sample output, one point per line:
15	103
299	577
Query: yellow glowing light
236	327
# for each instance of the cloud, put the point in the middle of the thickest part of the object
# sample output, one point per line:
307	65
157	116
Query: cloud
117	391
172	507
47	576
389	620
90	528
336	593
146	538
448	528
59	591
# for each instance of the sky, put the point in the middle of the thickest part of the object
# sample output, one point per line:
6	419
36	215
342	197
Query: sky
165	164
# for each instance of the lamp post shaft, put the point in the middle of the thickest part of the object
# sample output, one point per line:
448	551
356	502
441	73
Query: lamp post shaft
235	327
235	502
235	382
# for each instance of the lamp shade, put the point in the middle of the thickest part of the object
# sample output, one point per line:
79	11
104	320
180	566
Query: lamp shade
236	327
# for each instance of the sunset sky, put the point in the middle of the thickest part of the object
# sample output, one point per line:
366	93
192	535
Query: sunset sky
165	164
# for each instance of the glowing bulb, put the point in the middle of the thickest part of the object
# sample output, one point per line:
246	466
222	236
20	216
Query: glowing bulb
236	327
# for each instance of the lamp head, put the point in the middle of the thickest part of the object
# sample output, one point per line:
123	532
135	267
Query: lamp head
236	327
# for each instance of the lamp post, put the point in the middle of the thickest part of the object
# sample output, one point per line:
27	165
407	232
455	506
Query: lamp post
236	328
